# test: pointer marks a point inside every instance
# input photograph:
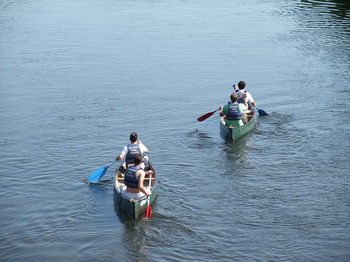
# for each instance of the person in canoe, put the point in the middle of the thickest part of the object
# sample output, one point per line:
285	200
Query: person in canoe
130	150
133	180
240	91
234	112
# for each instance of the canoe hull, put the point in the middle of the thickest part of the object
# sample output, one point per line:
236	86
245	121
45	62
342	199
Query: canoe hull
134	208
234	133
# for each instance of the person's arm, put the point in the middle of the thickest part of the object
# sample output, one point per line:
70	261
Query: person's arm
245	102
221	107
121	156
123	153
141	179
242	108
147	173
145	149
251	99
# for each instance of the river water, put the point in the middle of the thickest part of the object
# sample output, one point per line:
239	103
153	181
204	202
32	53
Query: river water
77	77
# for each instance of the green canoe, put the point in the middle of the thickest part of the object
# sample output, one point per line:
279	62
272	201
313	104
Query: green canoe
134	208
234	133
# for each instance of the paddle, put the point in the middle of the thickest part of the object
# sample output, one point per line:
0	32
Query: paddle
261	112
203	117
148	208
95	176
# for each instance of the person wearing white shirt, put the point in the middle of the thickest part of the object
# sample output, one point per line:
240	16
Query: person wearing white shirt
130	150
241	92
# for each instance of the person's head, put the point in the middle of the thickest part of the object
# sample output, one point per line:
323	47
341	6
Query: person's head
137	159
133	137
234	97
241	84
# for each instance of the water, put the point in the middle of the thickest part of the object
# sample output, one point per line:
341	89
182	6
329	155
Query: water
78	77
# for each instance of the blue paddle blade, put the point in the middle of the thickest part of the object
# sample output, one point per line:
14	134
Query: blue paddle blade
95	176
262	112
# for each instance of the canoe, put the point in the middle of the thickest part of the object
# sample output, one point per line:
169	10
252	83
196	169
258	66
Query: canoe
134	208
234	133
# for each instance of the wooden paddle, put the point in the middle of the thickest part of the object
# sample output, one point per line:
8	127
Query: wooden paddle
148	208
95	176
203	117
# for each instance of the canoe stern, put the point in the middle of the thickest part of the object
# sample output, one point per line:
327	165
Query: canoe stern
134	208
234	133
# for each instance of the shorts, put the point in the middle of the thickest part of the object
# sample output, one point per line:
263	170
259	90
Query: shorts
135	196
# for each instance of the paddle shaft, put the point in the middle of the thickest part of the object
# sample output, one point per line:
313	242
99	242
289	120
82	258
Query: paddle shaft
148	208
261	112
112	163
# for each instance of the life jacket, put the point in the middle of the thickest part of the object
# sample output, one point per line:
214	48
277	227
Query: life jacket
240	96
130	178
233	112
132	150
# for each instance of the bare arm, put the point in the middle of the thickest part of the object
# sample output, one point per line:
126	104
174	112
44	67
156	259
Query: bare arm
141	179
221	107
245	102
146	149
121	156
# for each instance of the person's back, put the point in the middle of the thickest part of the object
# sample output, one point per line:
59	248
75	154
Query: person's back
132	149
233	111
129	151
243	95
133	187
234	115
131	180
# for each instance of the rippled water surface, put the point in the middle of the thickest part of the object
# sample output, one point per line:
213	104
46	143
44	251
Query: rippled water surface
77	77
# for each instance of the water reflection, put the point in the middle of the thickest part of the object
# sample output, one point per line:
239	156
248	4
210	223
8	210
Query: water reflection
132	235
342	6
330	20
200	139
123	217
339	8
235	157
236	151
137	234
